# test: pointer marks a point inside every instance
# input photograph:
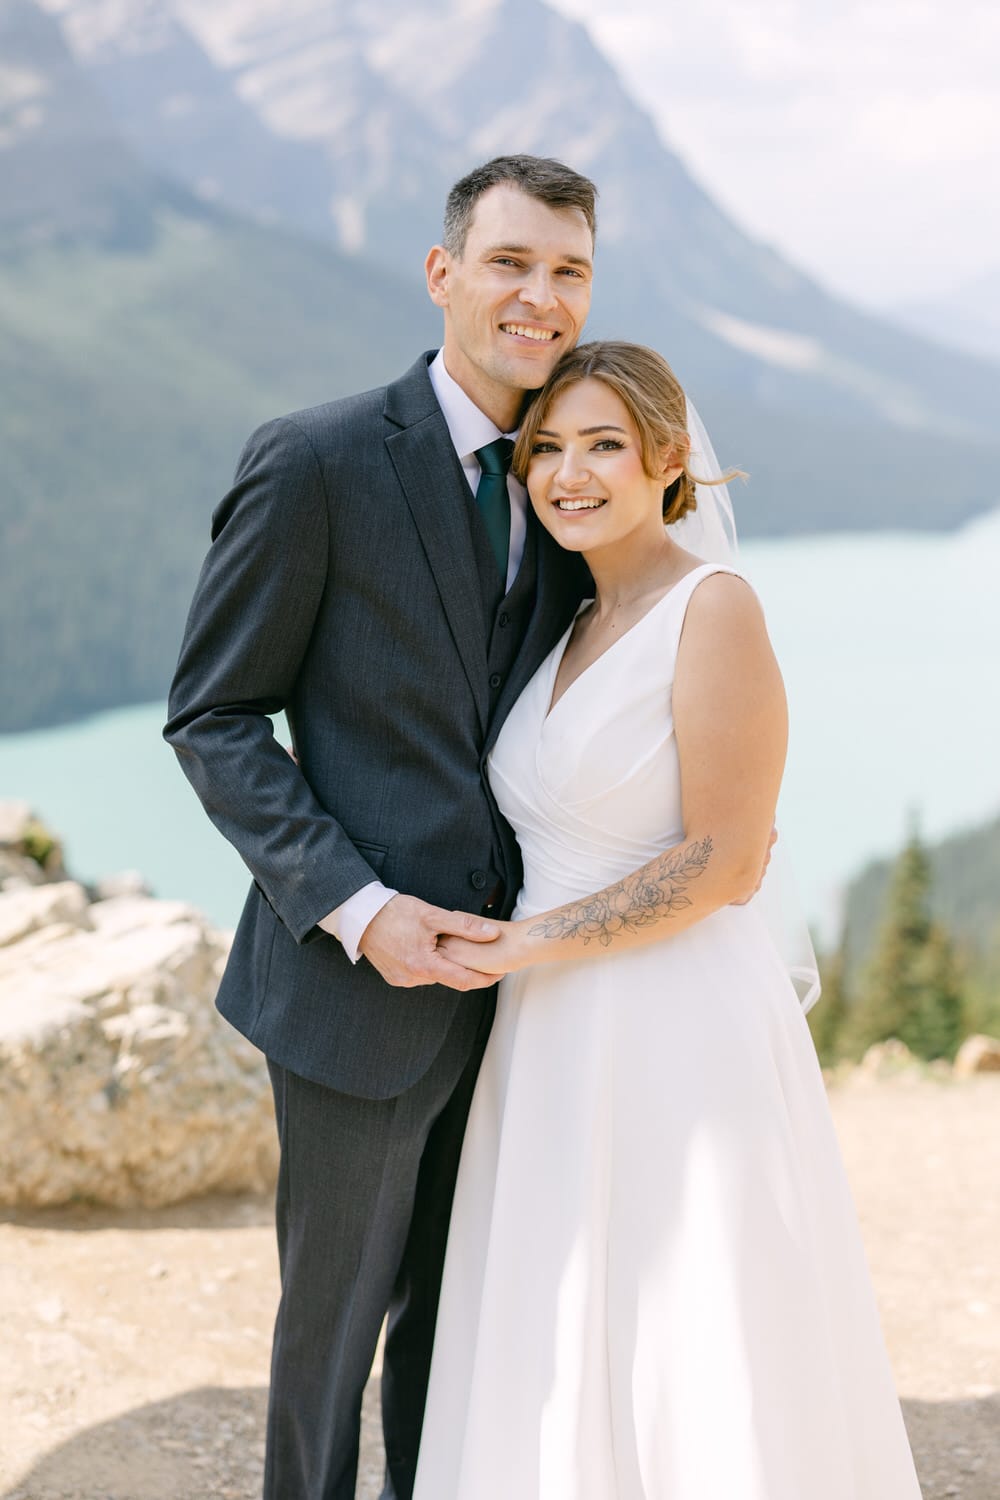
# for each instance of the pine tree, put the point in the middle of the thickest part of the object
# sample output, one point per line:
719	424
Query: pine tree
935	1027
981	985
911	988
828	1017
890	989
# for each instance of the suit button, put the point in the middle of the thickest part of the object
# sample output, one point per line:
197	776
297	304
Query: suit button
504	620
478	880
495	680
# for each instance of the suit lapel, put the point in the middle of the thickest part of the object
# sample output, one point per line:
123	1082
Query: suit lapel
434	485
561	582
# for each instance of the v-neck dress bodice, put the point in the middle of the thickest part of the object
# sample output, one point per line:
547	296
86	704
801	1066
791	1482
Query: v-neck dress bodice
655	1287
591	785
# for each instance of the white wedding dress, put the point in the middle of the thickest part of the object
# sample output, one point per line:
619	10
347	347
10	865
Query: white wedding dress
655	1287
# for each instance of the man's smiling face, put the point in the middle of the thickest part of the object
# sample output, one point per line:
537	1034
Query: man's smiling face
515	300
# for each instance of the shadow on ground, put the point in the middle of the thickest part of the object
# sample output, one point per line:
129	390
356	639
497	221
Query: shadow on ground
207	1444
216	1211
956	1446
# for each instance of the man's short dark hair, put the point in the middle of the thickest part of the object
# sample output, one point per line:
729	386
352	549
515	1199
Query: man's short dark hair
541	177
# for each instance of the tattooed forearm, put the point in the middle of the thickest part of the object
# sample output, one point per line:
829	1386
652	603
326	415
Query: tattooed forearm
655	892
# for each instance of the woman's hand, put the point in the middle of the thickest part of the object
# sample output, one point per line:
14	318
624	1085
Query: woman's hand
502	956
744	900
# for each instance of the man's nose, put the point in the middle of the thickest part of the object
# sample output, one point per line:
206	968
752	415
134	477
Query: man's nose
538	289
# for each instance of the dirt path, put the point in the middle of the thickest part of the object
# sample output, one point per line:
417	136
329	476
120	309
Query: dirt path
135	1346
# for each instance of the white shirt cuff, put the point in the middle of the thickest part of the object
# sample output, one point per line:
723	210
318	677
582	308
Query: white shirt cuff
349	920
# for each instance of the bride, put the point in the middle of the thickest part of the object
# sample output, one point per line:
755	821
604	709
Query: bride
655	1287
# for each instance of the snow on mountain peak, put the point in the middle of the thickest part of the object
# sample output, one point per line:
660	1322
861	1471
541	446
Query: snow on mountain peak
96	28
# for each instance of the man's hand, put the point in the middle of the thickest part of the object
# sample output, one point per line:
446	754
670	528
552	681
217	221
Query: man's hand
763	870
400	941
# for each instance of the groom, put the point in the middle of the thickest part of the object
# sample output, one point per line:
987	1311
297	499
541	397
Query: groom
375	572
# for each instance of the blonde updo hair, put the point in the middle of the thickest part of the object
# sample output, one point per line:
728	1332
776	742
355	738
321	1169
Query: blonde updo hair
653	398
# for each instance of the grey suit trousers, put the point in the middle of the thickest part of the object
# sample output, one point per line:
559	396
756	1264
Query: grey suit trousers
378	1176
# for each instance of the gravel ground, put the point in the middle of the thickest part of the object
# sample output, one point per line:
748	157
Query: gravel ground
136	1344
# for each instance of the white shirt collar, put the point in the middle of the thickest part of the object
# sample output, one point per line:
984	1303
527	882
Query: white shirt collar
468	427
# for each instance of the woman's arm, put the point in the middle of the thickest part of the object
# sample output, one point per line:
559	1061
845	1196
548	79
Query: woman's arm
731	725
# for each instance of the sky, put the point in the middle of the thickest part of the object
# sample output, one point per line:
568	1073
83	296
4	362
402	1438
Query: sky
859	137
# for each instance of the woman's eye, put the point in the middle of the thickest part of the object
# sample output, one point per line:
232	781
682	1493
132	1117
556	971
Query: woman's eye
604	445
544	448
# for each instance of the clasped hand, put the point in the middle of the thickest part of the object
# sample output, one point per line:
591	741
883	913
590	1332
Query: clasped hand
504	954
508	951
412	943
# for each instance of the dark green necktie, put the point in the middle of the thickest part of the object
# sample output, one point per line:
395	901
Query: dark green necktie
493	499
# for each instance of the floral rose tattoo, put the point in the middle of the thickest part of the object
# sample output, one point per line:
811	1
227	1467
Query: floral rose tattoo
635	902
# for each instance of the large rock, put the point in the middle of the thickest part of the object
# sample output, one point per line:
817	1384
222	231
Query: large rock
977	1054
119	1082
27	909
29	852
888	1059
16	818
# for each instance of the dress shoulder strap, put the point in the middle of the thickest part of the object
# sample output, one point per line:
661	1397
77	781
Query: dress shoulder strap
681	592
680	595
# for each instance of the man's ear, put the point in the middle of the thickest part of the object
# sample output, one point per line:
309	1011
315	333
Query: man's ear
436	268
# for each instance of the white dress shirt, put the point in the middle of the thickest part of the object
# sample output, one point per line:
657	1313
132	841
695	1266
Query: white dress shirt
469	429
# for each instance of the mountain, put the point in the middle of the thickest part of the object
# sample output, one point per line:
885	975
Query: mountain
183	118
65	172
968	318
142	335
843	420
215	210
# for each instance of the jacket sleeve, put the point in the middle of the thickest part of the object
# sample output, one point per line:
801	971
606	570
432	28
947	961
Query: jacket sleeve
251	619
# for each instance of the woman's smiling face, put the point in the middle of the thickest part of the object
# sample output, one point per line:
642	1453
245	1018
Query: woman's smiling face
586	477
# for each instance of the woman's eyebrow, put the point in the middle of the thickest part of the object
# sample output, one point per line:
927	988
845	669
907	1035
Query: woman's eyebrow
583	432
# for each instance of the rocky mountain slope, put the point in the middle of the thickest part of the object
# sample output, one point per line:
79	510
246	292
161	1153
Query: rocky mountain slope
143	333
967	318
211	212
386	105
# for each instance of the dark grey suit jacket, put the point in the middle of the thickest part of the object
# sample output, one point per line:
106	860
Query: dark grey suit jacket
342	586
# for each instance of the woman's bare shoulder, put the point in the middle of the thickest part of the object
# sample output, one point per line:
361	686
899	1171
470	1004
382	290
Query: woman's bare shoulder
724	602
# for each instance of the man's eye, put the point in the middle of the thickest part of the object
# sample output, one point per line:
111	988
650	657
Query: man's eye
504	260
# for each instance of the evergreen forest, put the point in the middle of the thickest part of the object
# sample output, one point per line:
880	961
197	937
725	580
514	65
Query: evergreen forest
919	953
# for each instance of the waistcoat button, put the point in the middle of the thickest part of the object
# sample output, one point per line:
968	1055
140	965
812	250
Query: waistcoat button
478	880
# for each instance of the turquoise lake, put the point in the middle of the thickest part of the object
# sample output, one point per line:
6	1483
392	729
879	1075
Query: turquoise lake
890	646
